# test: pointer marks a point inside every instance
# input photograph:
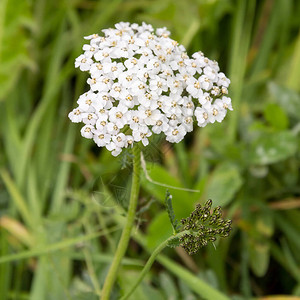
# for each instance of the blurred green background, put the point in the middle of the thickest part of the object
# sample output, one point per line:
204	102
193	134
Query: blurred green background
62	199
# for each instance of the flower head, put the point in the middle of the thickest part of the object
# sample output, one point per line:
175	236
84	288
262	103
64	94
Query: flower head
203	226
142	83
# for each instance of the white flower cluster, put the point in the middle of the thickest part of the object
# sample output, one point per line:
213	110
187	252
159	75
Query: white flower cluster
143	83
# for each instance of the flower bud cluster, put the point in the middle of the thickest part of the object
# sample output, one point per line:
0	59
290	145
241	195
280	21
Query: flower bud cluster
142	83
203	227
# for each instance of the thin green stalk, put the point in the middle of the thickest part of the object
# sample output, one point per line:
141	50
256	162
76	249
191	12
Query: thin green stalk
123	243
241	39
294	73
199	286
91	271
47	249
18	198
150	263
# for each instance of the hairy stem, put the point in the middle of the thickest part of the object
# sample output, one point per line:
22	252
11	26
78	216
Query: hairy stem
124	240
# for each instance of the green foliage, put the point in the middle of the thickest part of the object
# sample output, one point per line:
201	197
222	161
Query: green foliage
287	98
59	215
159	230
162	177
144	291
223	184
170	211
276	116
273	147
168	286
16	22
259	242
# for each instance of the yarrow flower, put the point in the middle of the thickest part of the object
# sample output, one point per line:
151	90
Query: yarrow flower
204	226
143	83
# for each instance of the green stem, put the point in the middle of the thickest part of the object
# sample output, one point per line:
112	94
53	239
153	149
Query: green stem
200	287
151	261
124	240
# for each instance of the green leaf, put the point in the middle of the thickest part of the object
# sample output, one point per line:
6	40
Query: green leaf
82	289
85	296
126	280
149	292
259	242
183	202
199	286
170	211
259	257
273	147
185	291
159	230
15	17
144	291
225	181
288	99
276	116
168	286
265	224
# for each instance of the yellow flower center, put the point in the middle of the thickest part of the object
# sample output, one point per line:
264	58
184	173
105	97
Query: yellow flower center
175	132
119	115
197	85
